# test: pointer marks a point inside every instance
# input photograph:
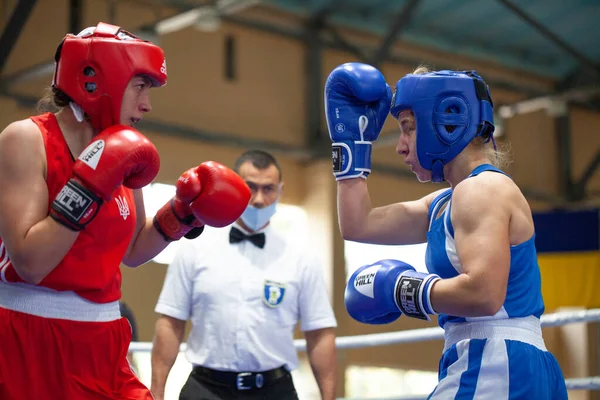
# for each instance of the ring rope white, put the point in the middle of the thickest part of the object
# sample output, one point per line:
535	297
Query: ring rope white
592	383
426	334
415	335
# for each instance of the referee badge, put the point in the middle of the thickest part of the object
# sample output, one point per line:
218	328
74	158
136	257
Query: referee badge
273	293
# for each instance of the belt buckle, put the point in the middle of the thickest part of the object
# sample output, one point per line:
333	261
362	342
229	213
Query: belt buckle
239	381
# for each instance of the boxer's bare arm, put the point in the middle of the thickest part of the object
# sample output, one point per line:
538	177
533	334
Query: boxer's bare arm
394	224
35	243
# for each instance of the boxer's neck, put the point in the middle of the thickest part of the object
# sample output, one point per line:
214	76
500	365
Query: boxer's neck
77	134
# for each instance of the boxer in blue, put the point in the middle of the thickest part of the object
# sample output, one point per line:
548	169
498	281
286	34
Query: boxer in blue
483	276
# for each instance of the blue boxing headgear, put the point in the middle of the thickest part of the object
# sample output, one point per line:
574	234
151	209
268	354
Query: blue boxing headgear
450	109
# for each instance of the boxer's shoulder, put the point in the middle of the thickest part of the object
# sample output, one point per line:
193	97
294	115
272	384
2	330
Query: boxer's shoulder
21	138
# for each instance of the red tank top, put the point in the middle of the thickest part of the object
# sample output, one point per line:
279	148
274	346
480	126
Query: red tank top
91	268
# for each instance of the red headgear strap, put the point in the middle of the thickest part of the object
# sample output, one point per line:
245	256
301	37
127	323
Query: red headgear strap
94	68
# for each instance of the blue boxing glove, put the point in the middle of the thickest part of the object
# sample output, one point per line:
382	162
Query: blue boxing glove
357	102
381	292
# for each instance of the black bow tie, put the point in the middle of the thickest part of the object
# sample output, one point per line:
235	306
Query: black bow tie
236	236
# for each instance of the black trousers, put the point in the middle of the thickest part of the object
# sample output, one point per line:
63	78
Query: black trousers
200	387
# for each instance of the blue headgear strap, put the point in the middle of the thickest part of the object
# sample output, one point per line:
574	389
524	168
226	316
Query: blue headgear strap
450	109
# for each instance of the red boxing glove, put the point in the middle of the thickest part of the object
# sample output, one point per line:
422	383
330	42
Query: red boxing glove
119	155
210	194
175	220
217	195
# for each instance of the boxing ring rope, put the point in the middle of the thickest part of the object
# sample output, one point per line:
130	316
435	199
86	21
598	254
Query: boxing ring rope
592	383
436	333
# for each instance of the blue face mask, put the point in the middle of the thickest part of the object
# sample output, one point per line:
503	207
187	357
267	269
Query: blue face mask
256	218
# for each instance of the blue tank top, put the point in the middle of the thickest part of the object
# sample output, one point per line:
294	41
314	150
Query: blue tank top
524	290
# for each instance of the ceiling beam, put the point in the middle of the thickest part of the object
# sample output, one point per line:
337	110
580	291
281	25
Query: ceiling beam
393	57
340	43
577	78
334	41
586	62
13	29
400	22
27	74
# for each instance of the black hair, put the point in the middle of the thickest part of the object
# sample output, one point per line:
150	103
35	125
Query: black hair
260	159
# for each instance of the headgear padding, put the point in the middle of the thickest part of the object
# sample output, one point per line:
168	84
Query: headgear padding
95	67
450	109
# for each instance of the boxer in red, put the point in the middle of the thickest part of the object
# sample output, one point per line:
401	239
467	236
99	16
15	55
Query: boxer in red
71	210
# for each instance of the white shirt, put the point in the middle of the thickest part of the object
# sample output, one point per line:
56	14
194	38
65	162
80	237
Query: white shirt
244	302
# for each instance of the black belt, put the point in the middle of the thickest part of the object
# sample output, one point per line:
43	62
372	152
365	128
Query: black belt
242	380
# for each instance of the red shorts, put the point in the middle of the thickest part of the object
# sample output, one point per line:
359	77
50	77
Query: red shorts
45	358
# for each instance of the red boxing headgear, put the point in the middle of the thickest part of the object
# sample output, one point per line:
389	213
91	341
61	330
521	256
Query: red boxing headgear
94	68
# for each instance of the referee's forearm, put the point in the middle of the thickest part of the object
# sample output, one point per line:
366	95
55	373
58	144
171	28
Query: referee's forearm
327	385
159	381
325	375
165	348
163	358
322	357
